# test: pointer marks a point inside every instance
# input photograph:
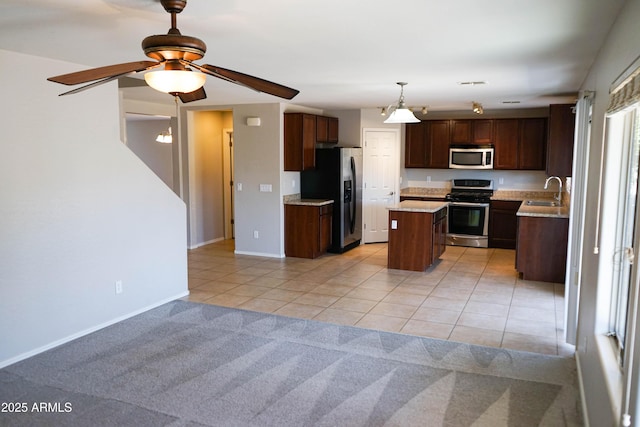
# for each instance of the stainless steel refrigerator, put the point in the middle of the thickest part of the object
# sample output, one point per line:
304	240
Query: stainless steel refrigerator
338	176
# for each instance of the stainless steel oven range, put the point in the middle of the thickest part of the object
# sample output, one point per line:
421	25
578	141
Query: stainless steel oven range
469	212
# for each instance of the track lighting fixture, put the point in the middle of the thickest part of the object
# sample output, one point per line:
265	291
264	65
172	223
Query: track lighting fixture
400	113
476	107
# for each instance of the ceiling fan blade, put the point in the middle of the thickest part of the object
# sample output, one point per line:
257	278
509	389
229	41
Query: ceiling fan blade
103	72
252	82
196	95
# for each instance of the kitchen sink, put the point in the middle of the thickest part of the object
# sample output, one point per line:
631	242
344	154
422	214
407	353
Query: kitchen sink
547	203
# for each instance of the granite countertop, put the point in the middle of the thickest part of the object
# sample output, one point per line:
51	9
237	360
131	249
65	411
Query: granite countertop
309	202
544	211
418	206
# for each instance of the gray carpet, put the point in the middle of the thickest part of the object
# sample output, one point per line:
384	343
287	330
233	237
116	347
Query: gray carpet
189	364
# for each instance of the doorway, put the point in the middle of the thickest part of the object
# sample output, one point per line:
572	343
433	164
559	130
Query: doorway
210	172
380	188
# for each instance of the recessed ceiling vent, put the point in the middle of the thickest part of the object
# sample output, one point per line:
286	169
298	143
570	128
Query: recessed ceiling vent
478	83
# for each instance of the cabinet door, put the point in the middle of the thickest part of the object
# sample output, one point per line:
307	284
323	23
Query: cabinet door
438	139
308	142
532	148
415	149
503	223
326	216
299	141
322	127
332	129
461	131
506	143
482	131
439	238
560	143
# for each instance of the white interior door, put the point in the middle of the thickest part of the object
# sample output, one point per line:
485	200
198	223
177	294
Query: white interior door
380	187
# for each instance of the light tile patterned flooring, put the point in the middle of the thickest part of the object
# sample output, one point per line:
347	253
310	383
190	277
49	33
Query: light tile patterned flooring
471	295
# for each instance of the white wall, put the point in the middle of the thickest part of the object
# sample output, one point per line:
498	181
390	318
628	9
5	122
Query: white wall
596	364
141	139
79	211
259	159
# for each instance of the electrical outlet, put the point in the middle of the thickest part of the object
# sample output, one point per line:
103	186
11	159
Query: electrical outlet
256	234
239	186
501	180
118	287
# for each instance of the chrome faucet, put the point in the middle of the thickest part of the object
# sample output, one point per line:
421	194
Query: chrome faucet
559	196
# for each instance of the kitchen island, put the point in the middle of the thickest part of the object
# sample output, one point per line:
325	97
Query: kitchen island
417	234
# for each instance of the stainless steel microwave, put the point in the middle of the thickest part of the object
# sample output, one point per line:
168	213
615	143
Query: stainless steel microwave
466	156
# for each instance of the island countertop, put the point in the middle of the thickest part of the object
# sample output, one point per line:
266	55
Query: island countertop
418	206
309	202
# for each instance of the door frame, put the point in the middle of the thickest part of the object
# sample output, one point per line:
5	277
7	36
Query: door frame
366	177
578	202
227	193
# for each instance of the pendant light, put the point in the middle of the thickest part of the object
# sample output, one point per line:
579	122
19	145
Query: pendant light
165	137
400	113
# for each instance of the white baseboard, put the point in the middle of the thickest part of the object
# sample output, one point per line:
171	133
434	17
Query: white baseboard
258	254
28	354
208	242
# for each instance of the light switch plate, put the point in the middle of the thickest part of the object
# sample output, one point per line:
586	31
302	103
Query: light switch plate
394	224
266	188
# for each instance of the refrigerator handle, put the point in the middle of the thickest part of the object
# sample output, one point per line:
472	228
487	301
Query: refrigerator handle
354	197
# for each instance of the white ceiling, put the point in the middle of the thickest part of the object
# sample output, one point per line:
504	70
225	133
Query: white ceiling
340	54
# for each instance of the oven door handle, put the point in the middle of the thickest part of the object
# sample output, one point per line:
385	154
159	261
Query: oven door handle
481	205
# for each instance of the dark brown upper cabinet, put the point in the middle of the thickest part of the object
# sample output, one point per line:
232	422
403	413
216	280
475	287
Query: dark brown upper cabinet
472	131
506	143
299	141
427	144
562	120
327	129
532	147
520	144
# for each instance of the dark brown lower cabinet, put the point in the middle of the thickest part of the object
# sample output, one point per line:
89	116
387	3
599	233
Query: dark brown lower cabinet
503	223
307	230
416	240
541	253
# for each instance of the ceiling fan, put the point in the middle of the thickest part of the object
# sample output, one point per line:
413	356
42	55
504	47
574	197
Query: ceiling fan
175	53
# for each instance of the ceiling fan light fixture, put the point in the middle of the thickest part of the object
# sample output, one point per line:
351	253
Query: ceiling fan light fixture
400	113
175	81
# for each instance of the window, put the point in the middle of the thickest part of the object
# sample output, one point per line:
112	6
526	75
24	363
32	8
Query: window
624	132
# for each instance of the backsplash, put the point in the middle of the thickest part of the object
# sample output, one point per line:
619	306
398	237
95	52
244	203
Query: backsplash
502	179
